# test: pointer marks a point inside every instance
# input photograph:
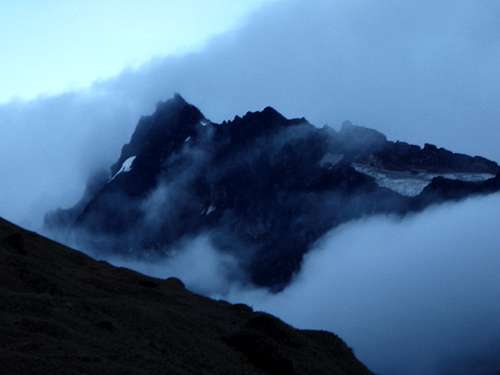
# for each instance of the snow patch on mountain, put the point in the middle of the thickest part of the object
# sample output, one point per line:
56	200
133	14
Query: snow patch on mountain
126	166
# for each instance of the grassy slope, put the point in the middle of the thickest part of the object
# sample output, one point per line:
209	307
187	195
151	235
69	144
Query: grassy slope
62	312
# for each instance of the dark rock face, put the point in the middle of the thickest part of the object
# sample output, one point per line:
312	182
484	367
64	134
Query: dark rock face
402	156
65	218
264	186
441	189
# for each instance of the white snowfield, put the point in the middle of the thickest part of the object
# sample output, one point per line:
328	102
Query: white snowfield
412	184
126	166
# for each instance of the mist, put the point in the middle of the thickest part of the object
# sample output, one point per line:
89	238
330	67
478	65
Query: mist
410	296
215	275
419	72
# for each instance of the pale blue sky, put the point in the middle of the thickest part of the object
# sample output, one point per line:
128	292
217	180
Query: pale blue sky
51	46
419	71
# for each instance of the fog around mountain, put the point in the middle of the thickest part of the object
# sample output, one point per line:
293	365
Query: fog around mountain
411	297
422	72
416	296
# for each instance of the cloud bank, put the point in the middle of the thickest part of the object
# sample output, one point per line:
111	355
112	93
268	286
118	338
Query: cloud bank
417	296
422	72
411	296
202	267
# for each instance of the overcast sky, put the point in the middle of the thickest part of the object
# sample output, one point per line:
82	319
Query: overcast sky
83	73
419	71
51	46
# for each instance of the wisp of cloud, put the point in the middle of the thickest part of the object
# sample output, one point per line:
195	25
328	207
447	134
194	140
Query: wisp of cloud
418	296
412	296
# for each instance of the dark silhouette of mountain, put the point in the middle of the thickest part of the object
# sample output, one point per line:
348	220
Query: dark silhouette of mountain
265	187
62	312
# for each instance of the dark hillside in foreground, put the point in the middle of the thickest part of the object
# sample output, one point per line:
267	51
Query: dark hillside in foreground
62	312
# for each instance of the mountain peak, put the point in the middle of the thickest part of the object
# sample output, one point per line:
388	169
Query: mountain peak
175	103
265	181
268	114
270	111
178	98
359	136
161	131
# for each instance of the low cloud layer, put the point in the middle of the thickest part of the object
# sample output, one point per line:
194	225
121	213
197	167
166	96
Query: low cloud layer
422	72
412	296
196	261
417	296
50	147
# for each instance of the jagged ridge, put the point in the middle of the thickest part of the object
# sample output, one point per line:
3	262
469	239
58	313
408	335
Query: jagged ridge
262	183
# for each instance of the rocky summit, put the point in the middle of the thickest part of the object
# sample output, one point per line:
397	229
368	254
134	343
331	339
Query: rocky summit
264	187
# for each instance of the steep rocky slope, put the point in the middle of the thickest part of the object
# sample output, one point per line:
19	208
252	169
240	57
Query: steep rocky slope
63	313
264	187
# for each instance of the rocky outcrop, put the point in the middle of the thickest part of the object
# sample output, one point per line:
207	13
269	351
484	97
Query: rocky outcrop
263	186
